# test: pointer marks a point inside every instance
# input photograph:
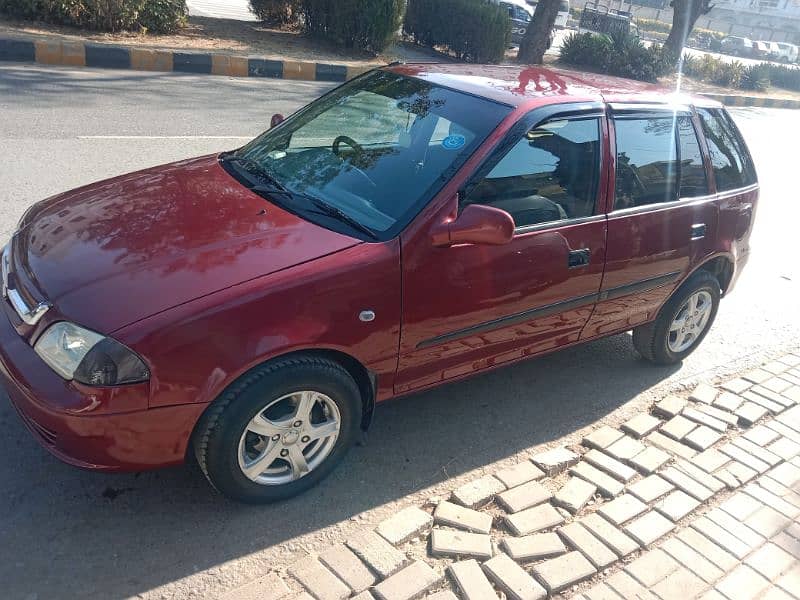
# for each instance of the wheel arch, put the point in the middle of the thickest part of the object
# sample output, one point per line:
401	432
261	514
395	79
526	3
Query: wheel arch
721	267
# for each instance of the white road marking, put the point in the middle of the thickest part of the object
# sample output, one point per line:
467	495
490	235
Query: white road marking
165	137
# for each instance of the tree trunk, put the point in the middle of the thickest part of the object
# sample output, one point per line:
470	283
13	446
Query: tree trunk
537	37
684	16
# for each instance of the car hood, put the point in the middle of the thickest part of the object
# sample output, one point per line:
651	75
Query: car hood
111	253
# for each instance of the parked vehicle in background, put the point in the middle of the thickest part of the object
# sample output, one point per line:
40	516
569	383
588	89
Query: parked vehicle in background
773	51
737	46
761	50
600	19
788	53
520	14
563	13
414	226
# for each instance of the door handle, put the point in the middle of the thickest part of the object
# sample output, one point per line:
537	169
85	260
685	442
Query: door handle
579	258
698	231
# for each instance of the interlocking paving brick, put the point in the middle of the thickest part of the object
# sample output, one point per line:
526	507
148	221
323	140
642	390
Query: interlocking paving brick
534	519
747	459
710	460
692	560
404	525
757	375
650	460
649	528
780	490
788	543
602	437
676	505
786	473
705	479
735	527
742	583
704	393
409	583
767	522
625	448
723	415
761	399
775	367
447	513
559	573
640	425
512	579
524	496
784	430
607	485
650	488
627	587
688	484
670	406
741	473
750	412
622	509
679	585
520	473
740	506
702	418
761	435
380	555
702	438
776	384
621	544
478	492
729	480
708	548
581	539
785	448
678	427
610	465
445	542
793	393
471	581
737	385
319	581
670	445
775	593
270	587
792	359
791	582
757	451
574	494
721	537
301	596
440	595
534	547
728	401
556	461
782	506
652	567
347	567
599	591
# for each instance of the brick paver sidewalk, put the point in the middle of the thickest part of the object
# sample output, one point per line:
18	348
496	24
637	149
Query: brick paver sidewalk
697	498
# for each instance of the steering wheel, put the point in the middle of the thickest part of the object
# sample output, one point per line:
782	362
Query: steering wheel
350	142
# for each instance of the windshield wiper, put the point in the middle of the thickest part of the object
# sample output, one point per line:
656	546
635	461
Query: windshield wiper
337	213
255	168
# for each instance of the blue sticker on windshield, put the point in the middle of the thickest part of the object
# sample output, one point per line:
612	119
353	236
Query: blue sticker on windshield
454	142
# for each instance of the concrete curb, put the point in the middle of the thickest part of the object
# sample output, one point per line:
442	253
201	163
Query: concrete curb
55	51
754	101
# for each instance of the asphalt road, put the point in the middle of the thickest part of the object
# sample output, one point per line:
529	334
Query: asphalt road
67	533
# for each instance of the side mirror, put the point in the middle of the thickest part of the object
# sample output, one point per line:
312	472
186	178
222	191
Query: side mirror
477	224
276	120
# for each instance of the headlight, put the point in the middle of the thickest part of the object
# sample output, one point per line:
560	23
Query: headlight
88	357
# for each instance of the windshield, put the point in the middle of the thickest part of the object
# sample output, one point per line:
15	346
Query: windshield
371	153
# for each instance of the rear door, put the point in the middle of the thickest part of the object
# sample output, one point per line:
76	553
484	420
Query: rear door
664	214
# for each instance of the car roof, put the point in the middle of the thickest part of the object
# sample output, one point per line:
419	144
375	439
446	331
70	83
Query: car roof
531	86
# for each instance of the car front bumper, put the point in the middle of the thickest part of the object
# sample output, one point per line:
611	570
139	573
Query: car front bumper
71	423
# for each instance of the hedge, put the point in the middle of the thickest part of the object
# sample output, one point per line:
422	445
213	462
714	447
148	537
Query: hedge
156	16
734	74
473	30
366	24
621	55
277	12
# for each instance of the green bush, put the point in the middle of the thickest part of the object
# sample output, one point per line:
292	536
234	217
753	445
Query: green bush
756	77
735	75
157	16
473	30
620	55
653	25
277	12
370	25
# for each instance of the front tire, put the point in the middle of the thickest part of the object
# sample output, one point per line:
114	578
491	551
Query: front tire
682	323
279	430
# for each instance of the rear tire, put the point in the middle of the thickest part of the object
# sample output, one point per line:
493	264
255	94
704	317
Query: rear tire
664	341
279	430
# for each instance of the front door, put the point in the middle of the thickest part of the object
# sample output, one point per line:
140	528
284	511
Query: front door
470	307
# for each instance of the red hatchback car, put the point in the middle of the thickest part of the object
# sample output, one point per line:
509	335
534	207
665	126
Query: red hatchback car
416	225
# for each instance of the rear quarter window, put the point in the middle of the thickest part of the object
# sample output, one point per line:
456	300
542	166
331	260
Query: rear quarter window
733	167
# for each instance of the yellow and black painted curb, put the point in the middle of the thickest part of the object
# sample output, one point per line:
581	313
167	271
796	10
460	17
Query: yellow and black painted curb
76	53
754	101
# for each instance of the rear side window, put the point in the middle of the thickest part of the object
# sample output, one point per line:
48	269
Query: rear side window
733	167
647	170
692	170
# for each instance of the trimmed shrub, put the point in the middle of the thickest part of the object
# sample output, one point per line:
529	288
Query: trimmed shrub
472	30
620	55
370	25
735	75
277	12
157	16
756	77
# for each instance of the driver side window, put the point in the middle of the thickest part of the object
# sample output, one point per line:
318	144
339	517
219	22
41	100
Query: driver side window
550	175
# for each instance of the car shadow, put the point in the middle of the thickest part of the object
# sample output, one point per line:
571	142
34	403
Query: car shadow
70	533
